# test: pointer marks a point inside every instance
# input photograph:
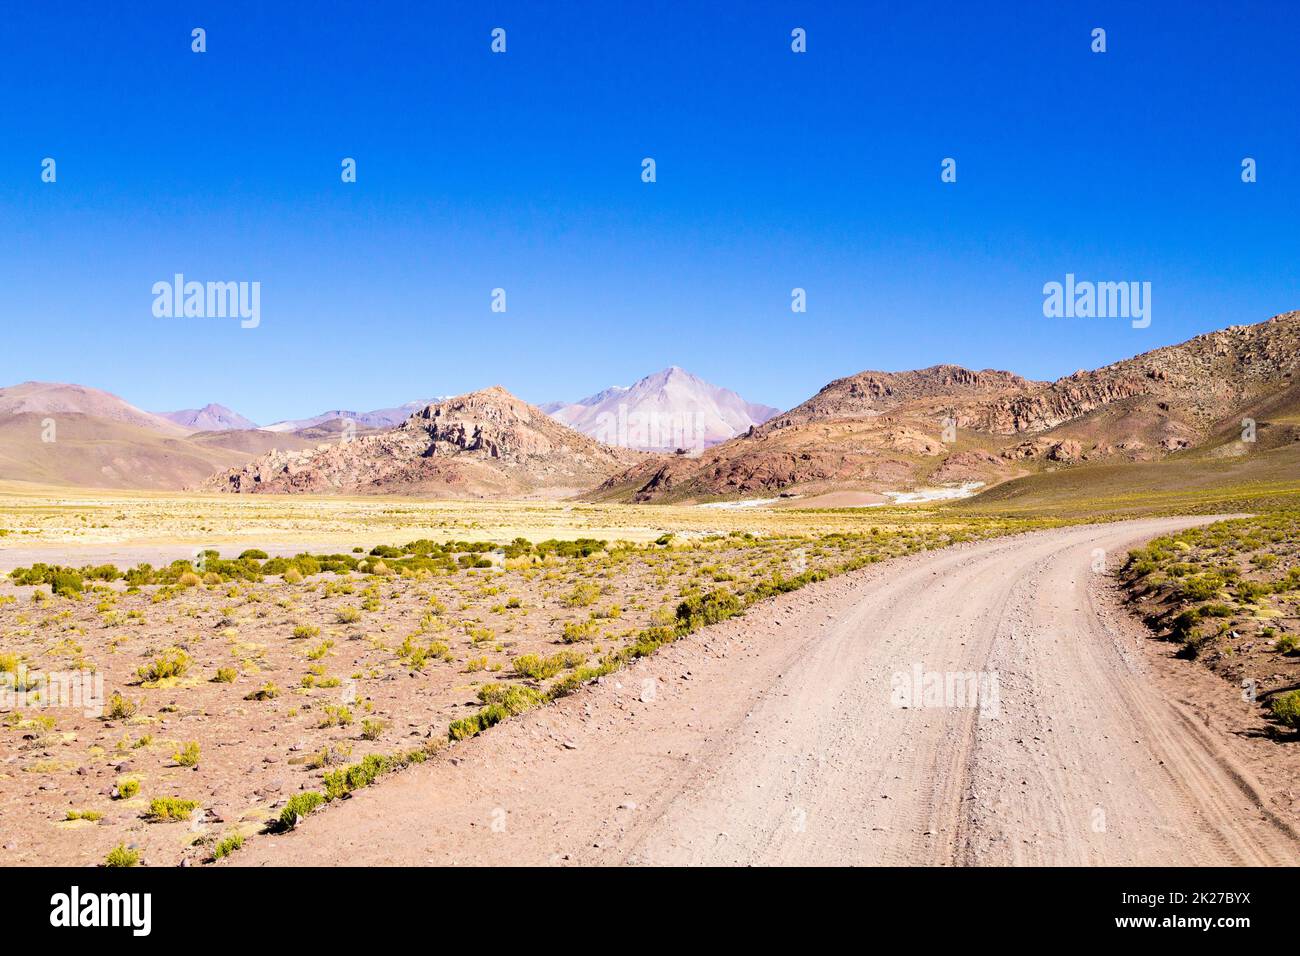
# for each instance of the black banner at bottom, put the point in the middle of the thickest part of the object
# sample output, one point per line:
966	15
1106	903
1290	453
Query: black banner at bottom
173	906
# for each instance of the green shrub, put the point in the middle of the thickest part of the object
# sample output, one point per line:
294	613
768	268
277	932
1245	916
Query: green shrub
576	631
1203	587
513	697
225	675
299	805
188	756
172	662
704	609
582	595
171	808
540	668
267	691
67	583
1286	708
470	726
121	856
126	789
227	846
336	717
119	708
357	776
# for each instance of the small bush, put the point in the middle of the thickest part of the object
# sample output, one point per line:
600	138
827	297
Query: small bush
225	675
299	805
583	595
126	789
348	615
171	808
336	717
1286	708
267	691
121	856
172	662
188	756
227	846
705	609
303	631
119	708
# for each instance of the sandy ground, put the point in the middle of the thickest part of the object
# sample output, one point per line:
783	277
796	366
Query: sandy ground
777	739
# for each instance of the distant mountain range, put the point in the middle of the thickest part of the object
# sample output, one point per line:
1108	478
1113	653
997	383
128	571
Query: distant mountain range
54	433
860	436
665	411
218	418
379	418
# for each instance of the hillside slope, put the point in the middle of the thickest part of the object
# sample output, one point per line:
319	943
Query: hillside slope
483	444
889	430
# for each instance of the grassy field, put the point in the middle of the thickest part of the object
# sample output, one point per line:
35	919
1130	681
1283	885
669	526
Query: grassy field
1229	595
306	646
1192	484
61	518
242	691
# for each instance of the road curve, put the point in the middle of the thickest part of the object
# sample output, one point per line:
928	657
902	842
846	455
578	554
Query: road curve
786	737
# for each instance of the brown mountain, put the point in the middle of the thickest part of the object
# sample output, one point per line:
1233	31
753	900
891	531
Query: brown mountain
55	433
487	443
104	453
57	398
885	430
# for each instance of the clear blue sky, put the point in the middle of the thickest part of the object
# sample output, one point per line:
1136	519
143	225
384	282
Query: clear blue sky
522	171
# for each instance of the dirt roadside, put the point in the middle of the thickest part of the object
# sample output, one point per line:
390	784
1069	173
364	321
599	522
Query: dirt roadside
776	739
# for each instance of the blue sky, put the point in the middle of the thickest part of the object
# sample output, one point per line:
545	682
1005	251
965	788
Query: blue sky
522	171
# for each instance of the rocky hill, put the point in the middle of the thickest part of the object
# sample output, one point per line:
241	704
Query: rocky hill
880	430
486	444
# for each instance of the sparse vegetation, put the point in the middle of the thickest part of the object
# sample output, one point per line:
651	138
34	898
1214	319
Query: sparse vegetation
1228	593
171	808
540	618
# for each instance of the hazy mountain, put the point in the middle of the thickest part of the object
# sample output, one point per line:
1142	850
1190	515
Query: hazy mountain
209	418
57	398
379	418
484	444
665	411
62	434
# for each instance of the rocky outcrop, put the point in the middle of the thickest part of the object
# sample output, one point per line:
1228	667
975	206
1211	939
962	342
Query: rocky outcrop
484	443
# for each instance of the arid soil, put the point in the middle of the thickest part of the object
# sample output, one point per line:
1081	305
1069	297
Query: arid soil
779	738
276	674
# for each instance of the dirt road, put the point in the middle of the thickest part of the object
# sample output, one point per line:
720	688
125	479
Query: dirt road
780	738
